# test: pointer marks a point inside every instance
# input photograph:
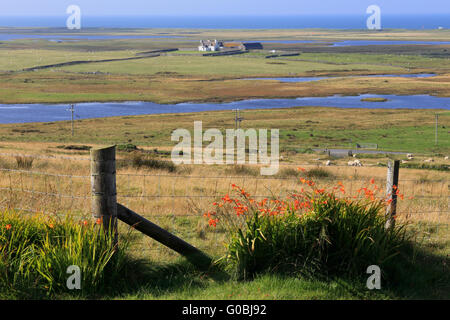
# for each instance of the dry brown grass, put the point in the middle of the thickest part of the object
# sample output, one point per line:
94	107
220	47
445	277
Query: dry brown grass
59	87
177	201
159	192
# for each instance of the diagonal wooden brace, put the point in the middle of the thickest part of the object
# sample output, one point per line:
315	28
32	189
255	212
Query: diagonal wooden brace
194	255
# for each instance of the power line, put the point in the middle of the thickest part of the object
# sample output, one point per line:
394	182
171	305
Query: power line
72	110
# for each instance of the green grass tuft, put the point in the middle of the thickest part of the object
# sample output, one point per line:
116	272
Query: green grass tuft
35	253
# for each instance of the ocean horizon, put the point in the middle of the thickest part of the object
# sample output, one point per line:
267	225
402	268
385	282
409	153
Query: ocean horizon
412	22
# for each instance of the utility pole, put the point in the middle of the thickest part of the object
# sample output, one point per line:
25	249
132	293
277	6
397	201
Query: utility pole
72	109
237	118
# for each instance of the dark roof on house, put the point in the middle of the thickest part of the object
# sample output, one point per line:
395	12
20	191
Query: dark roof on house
253	45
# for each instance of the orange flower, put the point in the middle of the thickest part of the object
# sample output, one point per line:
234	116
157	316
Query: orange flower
209	214
372	181
85	223
8	226
301	169
213	222
51	226
263	203
226	198
99	221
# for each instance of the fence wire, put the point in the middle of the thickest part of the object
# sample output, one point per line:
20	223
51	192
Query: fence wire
60	185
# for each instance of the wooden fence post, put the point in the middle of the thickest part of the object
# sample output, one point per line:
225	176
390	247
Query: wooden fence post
103	185
391	192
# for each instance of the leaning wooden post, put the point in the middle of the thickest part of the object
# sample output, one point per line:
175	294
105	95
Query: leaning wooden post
104	194
150	229
391	192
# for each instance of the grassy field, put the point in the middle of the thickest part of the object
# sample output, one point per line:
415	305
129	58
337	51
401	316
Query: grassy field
176	198
50	87
300	129
16	60
184	76
179	281
227	66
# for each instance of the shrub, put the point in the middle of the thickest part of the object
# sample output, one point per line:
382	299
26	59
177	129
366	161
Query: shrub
306	151
129	147
35	253
319	173
24	162
138	160
240	170
288	173
310	232
75	147
437	167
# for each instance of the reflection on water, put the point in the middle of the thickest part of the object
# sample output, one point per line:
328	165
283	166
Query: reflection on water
46	113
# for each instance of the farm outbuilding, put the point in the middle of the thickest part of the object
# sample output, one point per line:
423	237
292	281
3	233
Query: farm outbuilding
243	45
252	46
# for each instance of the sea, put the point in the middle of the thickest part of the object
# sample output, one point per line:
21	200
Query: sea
412	22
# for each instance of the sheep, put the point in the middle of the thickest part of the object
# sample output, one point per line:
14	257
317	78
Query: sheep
355	163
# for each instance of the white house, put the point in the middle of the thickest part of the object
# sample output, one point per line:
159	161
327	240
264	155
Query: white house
209	45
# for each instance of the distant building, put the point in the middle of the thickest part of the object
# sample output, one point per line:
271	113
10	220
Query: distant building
209	45
251	46
214	45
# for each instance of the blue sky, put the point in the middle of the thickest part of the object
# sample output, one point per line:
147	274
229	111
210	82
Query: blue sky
219	7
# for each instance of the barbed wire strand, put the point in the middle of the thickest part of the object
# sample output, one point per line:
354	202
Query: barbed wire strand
420	189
